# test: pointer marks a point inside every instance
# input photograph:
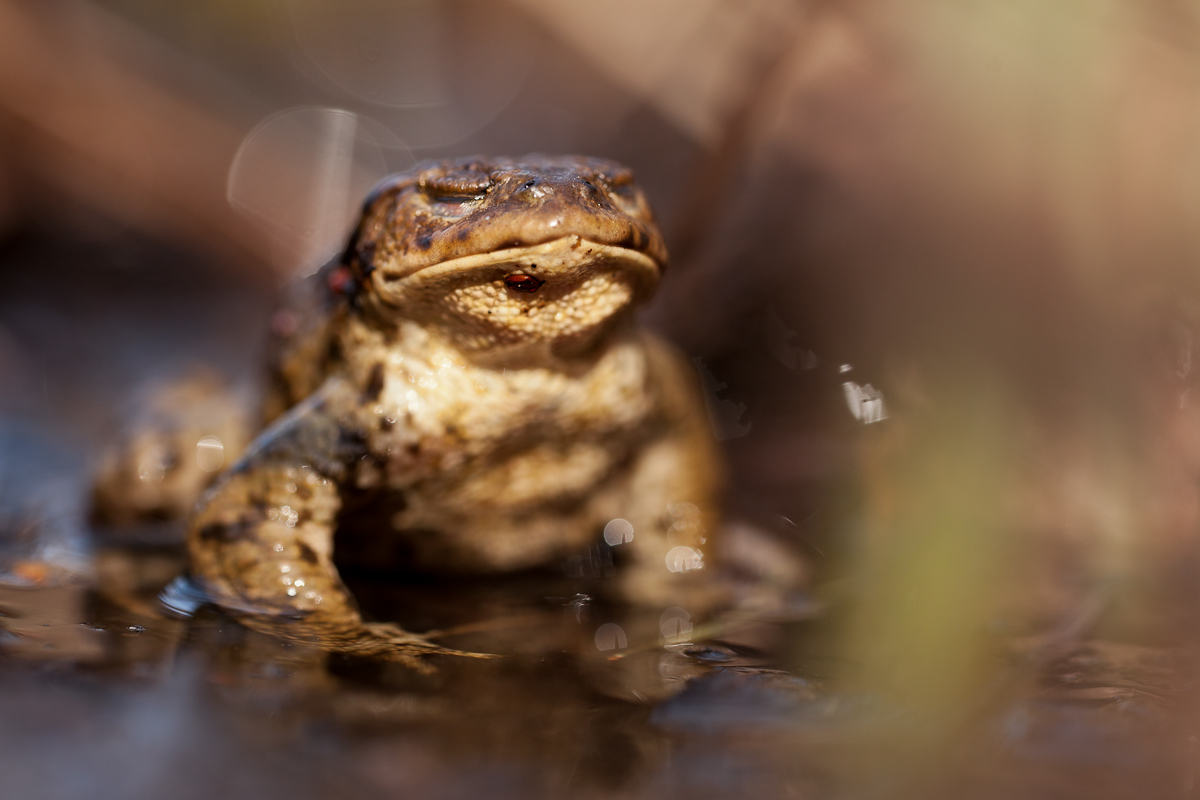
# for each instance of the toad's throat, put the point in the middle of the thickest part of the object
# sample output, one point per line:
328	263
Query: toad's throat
570	259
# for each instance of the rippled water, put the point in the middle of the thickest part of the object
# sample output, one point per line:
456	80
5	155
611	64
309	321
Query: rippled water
122	694
104	694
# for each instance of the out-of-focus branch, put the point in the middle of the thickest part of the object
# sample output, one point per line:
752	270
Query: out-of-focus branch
690	60
84	124
704	194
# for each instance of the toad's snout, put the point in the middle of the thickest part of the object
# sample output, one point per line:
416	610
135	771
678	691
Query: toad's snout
541	190
537	209
475	206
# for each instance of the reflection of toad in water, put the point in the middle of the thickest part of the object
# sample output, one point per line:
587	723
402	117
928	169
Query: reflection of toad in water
467	392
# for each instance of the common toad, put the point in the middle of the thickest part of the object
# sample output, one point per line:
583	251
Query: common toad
468	392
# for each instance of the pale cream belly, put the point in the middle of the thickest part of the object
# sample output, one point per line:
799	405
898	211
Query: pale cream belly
527	510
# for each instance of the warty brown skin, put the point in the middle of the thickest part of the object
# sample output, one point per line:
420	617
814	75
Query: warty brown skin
469	389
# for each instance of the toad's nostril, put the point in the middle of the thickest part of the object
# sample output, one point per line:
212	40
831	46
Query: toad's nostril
533	188
592	194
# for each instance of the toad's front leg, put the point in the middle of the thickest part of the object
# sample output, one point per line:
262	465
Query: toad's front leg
261	539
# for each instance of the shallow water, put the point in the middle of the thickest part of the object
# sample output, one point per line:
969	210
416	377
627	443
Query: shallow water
104	694
554	714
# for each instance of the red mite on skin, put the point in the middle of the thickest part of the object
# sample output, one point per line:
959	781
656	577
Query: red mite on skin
341	280
523	283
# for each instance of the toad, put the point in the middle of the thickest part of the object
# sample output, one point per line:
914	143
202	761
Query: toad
467	391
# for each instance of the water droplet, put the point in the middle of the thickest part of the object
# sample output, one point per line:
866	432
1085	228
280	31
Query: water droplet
153	465
618	531
609	636
675	622
865	402
210	453
683	558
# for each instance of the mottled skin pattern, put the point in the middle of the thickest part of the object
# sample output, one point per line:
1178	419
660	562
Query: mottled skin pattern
468	393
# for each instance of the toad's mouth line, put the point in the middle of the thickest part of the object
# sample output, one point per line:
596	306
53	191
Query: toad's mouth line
570	258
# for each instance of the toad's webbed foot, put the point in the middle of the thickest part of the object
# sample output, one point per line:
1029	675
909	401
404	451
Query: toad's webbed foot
353	636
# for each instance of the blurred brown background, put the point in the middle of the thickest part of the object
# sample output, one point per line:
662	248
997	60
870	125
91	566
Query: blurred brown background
937	262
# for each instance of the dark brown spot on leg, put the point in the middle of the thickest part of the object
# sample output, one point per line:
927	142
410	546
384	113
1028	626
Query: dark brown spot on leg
212	532
232	532
374	383
333	351
306	553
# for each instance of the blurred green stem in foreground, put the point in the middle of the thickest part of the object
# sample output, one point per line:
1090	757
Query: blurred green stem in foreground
991	531
939	479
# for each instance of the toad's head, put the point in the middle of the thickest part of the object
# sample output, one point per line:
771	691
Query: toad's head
509	258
